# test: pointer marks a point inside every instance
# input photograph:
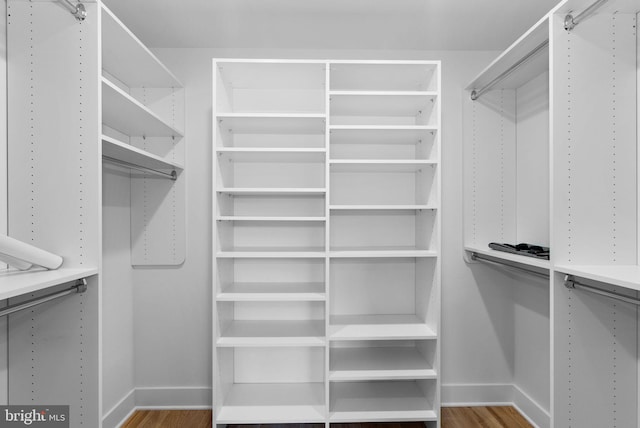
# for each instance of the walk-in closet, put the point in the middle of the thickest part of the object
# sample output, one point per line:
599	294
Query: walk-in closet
319	213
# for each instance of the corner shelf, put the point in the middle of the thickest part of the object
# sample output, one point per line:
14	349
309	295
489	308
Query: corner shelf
378	363
378	327
119	150
515	258
627	276
124	113
20	282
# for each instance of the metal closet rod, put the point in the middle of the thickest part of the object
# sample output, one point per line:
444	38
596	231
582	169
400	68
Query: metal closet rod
477	93
78	10
171	176
571	283
479	257
79	287
571	21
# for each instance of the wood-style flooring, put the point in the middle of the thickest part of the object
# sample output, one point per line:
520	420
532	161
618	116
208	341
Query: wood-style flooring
452	417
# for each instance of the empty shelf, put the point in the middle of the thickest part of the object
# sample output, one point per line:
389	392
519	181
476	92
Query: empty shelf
379	327
376	165
122	112
272	252
381	207
273	124
384	127
130	154
17	282
124	56
391	104
379	402
523	260
273	403
273	333
371	75
288	191
293	156
627	276
276	292
271	218
379	363
357	252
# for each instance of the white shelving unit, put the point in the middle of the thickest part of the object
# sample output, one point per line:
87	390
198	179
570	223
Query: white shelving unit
327	241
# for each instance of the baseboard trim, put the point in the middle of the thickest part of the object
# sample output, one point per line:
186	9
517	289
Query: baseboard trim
472	395
157	398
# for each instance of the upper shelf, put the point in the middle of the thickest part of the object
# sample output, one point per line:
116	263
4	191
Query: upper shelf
383	76
122	112
514	54
16	283
514	258
124	56
125	152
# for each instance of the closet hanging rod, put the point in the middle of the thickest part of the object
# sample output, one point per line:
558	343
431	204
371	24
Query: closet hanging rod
571	21
171	176
477	93
78	10
79	287
479	257
571	283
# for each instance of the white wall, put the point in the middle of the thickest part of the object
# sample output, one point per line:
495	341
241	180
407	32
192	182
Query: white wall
173	306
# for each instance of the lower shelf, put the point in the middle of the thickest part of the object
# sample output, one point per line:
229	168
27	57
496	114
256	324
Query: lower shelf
379	363
379	402
379	327
273	403
273	333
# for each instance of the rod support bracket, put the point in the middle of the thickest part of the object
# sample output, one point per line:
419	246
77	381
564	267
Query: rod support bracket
569	22
81	12
81	285
474	95
569	281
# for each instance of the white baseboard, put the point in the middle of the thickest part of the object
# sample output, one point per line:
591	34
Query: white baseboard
462	395
157	398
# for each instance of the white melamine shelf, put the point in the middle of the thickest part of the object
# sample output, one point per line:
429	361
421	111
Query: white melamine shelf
264	403
124	113
273	292
263	156
515	258
365	104
269	115
125	152
384	127
379	327
273	124
273	333
270	150
272	253
536	65
379	165
289	191
15	283
389	252
379	363
627	276
367	75
381	207
379	402
124	56
272	218
386	93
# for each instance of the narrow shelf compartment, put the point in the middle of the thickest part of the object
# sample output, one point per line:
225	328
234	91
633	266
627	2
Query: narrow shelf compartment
514	258
387	76
122	112
388	109
272	292
627	276
379	363
17	282
381	402
272	333
263	403
379	327
127	153
124	56
383	144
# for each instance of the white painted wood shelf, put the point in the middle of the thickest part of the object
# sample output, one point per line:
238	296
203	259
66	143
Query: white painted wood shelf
273	252
271	218
382	207
278	403
383	127
288	191
627	276
388	252
122	151
124	113
381	104
272	292
379	165
273	333
378	363
379	327
15	283
509	257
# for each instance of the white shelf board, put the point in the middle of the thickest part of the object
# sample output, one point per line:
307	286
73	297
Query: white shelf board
272	252
269	150
15	283
379	402
273	123
269	115
379	327
383	127
127	58
627	276
379	165
385	93
125	152
268	403
307	75
381	207
348	75
289	191
271	218
272	292
273	333
124	113
536	65
381	252
379	363
381	105
273	156
515	258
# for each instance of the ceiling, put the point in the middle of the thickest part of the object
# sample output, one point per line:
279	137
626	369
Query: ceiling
331	24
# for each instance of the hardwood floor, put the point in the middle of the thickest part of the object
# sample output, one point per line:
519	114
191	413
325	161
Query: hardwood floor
452	417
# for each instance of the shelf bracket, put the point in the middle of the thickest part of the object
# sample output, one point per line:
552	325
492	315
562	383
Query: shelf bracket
80	286
571	21
78	11
571	283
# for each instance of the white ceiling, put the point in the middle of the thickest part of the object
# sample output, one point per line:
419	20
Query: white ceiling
331	24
